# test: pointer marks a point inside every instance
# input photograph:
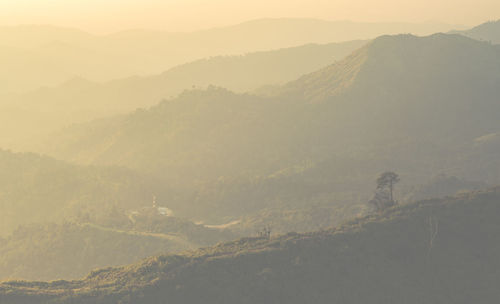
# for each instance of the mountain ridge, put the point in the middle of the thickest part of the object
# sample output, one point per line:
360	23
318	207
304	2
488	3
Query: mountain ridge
375	53
107	57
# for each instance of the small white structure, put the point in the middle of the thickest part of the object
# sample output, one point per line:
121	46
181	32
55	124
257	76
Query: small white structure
164	211
161	210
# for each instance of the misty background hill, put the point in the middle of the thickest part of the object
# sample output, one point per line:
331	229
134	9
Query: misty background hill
57	76
78	96
435	251
51	55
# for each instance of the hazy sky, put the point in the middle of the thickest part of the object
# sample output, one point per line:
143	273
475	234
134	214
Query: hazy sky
104	16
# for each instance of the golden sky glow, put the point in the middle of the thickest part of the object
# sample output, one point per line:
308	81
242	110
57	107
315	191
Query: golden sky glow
103	16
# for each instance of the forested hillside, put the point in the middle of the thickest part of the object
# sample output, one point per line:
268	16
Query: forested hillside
36	188
399	102
59	220
433	251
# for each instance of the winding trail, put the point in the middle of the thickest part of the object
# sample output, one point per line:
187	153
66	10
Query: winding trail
171	237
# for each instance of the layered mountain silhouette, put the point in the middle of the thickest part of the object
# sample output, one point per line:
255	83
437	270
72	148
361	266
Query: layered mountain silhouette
36	113
261	144
51	55
388	75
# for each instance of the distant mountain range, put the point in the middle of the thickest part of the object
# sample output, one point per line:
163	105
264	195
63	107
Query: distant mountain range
34	56
433	251
81	97
79	100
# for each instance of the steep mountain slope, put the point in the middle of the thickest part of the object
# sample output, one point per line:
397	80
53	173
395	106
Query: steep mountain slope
434	251
405	80
489	32
415	104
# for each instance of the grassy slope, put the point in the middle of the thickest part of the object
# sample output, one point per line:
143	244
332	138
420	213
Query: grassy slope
377	259
50	251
